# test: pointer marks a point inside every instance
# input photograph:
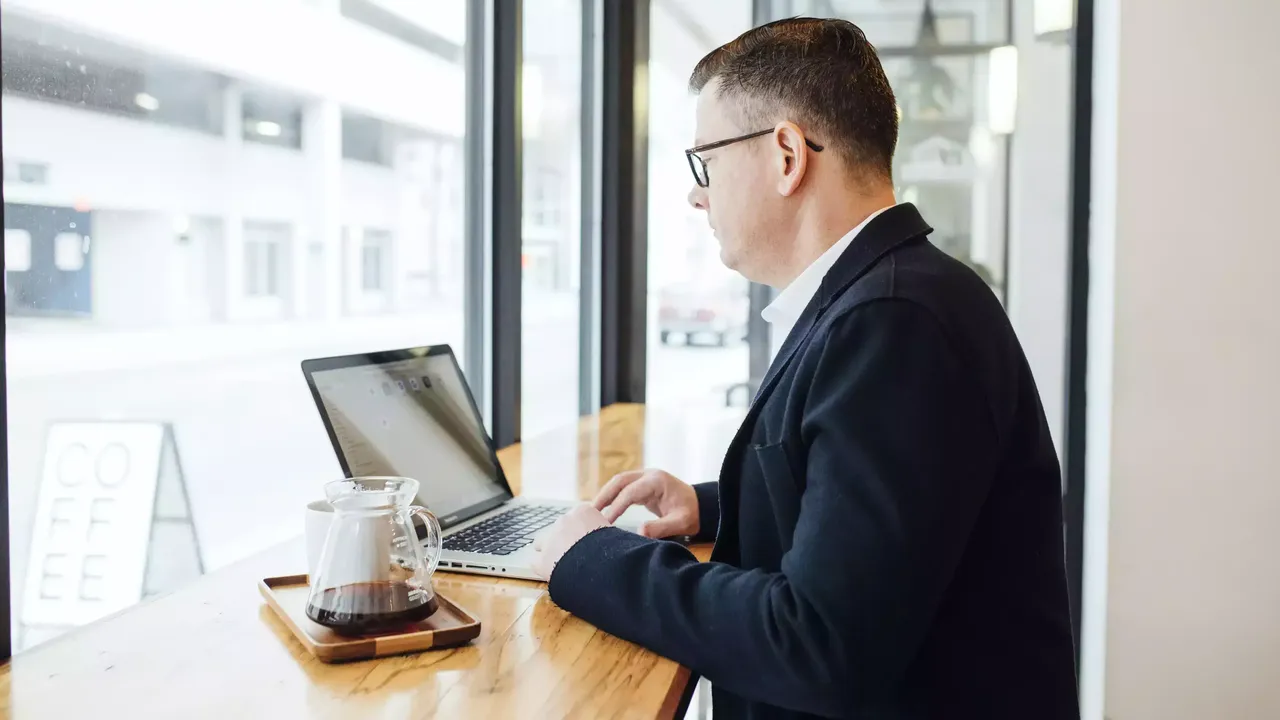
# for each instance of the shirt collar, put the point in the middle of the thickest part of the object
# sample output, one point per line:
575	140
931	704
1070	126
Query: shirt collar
791	301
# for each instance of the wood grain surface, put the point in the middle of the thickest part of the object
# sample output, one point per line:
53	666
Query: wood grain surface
215	650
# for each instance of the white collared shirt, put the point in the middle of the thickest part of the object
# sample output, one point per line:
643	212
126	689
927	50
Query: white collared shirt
786	308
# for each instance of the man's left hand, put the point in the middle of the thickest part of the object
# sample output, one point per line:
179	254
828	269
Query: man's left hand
574	525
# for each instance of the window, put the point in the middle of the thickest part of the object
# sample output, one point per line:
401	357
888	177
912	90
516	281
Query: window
362	139
26	172
951	159
262	268
48	260
698	309
17	250
552	243
271	118
544	198
179	214
263	262
373	261
68	251
984	152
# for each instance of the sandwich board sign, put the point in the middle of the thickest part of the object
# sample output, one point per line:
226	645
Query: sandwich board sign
113	525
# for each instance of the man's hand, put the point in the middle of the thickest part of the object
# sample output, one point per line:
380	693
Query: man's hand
574	525
670	498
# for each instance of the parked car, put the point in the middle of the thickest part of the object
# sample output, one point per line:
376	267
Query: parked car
717	312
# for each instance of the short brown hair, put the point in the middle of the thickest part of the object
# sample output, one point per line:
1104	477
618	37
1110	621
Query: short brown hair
823	71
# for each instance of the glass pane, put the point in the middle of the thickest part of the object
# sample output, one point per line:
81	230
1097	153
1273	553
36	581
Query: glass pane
552	249
698	360
698	308
185	222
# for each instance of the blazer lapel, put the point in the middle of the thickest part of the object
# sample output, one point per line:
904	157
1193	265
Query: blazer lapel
889	230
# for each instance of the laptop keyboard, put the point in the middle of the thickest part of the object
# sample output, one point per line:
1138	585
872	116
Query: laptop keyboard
504	534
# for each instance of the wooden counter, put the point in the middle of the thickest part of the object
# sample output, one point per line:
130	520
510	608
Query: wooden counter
213	649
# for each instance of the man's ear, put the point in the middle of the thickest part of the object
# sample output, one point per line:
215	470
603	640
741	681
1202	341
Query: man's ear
790	159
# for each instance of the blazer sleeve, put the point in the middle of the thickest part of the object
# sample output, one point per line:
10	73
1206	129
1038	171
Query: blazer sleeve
708	510
899	452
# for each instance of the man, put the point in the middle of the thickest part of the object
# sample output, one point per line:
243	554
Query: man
888	520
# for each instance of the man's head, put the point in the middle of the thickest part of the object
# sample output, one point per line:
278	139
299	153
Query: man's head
809	83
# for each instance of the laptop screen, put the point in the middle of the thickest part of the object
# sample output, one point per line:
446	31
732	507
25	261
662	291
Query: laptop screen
409	413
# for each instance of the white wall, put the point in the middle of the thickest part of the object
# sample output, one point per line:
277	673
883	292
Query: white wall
1183	371
174	173
173	170
135	257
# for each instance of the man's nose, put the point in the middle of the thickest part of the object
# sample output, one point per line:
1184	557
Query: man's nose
698	197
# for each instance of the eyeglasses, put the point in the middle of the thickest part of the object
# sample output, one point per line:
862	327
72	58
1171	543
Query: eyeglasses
699	168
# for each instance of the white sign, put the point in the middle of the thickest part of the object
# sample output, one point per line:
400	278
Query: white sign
93	521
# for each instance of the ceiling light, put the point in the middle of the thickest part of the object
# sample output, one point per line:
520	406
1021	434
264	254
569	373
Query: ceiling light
146	101
266	128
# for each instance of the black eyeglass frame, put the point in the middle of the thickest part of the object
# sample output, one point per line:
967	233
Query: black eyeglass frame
692	153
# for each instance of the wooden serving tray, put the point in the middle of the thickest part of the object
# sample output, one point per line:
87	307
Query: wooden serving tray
287	596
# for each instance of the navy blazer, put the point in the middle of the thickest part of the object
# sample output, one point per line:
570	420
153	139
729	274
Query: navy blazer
888	519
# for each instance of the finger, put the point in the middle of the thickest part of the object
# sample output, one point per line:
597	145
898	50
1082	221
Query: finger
615	486
629	496
669	526
537	542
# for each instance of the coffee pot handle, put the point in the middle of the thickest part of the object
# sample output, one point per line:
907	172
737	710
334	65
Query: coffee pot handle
433	543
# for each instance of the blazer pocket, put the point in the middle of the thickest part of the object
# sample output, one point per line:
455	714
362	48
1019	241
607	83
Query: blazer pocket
784	493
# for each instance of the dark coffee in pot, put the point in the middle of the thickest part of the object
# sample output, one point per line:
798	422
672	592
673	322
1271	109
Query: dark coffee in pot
371	607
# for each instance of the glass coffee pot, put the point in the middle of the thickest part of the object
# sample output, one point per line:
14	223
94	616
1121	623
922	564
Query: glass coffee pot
374	574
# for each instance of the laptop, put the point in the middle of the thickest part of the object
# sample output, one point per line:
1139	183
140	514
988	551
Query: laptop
410	413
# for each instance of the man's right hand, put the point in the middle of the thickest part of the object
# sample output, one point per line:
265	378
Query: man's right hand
670	498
